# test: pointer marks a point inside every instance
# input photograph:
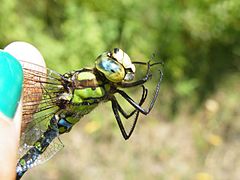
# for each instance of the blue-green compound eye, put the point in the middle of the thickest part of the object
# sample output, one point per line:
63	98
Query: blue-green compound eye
112	70
109	65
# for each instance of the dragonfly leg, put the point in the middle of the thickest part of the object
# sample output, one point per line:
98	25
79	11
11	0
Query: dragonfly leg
143	98
144	79
119	121
138	106
139	82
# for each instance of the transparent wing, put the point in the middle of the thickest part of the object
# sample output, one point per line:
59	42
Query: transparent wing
42	87
35	130
52	149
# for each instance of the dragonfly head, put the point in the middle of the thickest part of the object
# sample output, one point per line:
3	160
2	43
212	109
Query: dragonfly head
116	66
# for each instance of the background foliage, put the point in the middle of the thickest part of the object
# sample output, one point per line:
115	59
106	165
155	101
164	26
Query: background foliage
199	41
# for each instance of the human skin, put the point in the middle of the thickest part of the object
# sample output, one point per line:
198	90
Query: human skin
10	125
10	113
9	140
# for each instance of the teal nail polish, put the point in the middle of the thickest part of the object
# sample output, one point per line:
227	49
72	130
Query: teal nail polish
11	80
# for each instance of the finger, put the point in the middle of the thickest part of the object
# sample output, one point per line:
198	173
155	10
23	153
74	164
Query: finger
26	52
28	55
11	79
8	148
18	118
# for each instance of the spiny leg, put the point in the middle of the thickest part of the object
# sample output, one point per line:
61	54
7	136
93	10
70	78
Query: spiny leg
119	121
143	98
138	106
143	80
139	82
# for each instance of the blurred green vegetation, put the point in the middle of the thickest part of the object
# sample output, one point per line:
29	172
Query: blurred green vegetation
199	41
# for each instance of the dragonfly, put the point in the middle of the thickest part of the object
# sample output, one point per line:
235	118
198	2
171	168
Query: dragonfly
53	103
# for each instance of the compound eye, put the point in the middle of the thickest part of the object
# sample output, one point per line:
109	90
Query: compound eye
111	69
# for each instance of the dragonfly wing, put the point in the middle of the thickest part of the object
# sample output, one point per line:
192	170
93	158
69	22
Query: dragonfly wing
42	87
34	131
36	159
55	146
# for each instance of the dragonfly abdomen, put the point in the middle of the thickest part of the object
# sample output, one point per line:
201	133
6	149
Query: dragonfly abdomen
31	157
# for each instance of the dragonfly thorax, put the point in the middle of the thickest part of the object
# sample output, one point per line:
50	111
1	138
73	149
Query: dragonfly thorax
83	87
83	93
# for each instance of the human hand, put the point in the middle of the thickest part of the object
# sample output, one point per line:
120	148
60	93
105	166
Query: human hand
11	80
11	77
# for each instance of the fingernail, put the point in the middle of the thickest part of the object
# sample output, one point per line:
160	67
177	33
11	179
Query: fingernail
11	80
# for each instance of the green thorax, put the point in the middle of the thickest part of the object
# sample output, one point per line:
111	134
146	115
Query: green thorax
85	91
